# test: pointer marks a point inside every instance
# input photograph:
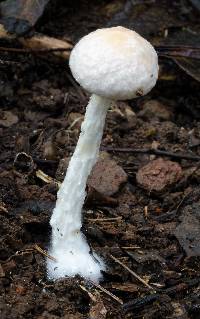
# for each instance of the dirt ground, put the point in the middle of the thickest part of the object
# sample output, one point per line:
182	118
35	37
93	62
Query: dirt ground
150	223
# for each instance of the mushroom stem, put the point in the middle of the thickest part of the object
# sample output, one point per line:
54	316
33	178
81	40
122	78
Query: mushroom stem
69	245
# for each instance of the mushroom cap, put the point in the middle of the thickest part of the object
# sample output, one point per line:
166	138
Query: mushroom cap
116	63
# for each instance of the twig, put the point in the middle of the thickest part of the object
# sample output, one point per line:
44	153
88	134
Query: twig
149	299
154	152
178	51
111	219
46	178
92	297
43	252
107	292
130	247
131	272
29	50
18	253
150	151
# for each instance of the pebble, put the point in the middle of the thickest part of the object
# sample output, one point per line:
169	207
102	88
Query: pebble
158	175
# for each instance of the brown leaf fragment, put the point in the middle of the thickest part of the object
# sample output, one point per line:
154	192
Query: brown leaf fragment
158	175
97	310
19	16
187	232
42	42
107	177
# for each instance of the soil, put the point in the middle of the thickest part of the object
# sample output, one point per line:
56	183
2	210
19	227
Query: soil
153	233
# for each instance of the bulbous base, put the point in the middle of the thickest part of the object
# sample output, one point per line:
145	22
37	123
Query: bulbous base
72	262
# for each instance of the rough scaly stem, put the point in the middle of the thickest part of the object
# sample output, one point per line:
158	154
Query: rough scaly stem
68	244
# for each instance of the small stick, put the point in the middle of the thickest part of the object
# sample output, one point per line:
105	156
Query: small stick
148	151
46	178
141	302
32	50
131	272
107	292
43	252
18	253
131	247
92	297
111	219
154	152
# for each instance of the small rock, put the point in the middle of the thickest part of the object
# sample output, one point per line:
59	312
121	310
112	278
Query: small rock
158	175
154	108
8	119
107	177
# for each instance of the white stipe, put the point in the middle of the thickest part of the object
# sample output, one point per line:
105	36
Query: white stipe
69	245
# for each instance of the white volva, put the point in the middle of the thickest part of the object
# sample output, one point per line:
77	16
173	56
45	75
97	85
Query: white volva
69	245
113	63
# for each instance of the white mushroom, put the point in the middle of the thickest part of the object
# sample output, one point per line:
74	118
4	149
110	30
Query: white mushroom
112	64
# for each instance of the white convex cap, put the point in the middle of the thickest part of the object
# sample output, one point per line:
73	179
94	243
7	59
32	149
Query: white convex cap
116	63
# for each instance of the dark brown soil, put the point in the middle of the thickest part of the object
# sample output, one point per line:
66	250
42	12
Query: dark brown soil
149	231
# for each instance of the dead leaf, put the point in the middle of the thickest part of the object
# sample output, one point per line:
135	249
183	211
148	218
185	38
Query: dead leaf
187	232
190	66
19	16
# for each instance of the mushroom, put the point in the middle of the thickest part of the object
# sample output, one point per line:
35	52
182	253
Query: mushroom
112	64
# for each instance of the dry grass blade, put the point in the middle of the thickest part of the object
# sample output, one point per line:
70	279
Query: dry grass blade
44	253
131	272
107	292
130	247
111	219
92	297
46	178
